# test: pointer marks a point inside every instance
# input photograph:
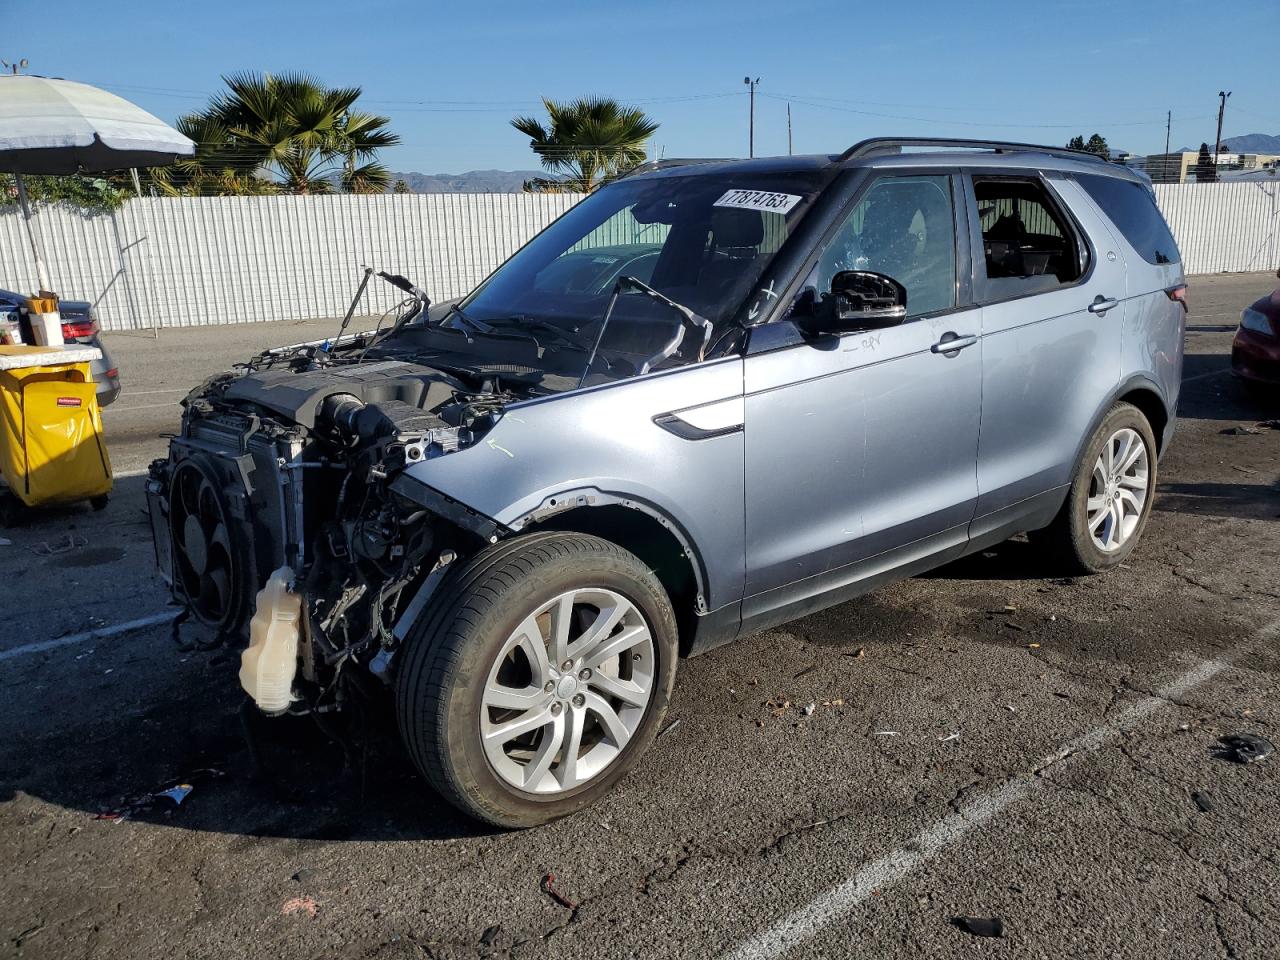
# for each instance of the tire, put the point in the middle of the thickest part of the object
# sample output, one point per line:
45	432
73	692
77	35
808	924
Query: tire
100	503
464	651
1068	542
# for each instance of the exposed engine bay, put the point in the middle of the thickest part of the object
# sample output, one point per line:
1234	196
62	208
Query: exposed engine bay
292	464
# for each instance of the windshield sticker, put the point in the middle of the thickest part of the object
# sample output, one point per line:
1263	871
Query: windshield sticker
758	200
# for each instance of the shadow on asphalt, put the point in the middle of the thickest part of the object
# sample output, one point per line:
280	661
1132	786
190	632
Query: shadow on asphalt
1221	397
1250	501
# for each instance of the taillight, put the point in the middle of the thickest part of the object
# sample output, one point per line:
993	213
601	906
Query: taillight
74	329
112	373
1178	294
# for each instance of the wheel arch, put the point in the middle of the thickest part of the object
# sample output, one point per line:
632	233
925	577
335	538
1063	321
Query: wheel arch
1142	392
1144	395
644	530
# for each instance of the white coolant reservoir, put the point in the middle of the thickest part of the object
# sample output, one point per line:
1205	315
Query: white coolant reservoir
268	665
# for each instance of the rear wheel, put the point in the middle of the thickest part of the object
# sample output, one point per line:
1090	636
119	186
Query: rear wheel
539	678
1110	496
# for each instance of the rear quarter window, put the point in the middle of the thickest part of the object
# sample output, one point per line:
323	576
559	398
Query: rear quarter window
1133	210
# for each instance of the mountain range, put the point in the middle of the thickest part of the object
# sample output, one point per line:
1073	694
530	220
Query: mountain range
1249	143
473	181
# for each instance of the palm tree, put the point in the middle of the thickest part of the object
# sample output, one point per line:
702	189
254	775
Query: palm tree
587	142
284	133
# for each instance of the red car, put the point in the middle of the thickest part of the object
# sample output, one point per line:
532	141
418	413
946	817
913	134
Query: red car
1255	352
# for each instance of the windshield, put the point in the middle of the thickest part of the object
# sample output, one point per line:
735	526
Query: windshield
702	241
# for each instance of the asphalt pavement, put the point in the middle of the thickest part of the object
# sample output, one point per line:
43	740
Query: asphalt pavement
992	740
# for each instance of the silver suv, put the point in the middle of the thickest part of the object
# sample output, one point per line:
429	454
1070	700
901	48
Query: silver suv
712	397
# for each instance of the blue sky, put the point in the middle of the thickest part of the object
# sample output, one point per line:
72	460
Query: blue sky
451	76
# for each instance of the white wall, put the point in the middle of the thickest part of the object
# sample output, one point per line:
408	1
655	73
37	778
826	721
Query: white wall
1224	227
201	260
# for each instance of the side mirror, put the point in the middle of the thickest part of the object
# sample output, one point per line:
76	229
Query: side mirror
860	300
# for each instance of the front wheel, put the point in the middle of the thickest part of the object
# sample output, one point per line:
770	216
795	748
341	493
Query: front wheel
1110	497
539	678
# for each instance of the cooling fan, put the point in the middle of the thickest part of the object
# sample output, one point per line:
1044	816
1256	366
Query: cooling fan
205	564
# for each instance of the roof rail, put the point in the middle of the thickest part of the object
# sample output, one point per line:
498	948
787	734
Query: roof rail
889	145
649	166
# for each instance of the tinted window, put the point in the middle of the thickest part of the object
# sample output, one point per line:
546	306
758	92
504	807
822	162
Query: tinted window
1027	244
1133	210
903	227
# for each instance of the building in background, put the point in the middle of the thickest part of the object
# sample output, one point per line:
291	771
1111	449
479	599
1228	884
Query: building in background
1180	167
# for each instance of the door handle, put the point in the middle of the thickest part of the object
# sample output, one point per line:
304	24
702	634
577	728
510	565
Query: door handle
952	343
1102	304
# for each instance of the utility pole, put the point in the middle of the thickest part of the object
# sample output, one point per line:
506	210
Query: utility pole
1222	108
1168	128
788	129
751	129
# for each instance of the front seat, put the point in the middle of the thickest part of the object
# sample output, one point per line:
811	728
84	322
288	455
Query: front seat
729	262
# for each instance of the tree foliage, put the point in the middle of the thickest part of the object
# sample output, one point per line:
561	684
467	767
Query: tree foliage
280	134
1206	169
104	192
1095	144
586	142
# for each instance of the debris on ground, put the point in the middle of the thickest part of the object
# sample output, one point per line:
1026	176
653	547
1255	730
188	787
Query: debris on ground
147	801
856	654
669	727
299	905
490	935
4	542
1269	424
65	544
949	737
548	886
1245	748
779	705
980	926
1240	431
1204	801
808	708
886	733
809	669
176	793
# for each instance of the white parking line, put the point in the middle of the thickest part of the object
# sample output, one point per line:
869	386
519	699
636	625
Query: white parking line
796	928
113	630
1201	376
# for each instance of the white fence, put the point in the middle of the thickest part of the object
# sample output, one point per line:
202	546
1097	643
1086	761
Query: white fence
181	262
203	260
1224	227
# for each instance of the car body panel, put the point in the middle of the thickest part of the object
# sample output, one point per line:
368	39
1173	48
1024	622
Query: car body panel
605	438
1047	362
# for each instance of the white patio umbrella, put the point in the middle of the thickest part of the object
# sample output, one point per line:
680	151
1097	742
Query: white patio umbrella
61	127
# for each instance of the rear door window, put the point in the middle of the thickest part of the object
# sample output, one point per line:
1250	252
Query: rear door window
1133	210
1028	243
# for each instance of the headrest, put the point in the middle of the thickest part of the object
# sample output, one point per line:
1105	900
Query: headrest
736	228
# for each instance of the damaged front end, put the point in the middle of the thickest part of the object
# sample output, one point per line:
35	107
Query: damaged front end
281	516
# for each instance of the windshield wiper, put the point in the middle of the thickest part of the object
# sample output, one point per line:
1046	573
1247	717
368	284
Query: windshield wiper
687	316
456	311
532	323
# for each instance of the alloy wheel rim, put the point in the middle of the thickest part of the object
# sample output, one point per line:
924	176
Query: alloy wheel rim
568	691
1118	490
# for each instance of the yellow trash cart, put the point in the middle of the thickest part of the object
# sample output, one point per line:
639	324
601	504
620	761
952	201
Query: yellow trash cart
51	447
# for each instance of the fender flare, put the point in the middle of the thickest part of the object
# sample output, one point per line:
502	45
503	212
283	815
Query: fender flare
1137	381
580	497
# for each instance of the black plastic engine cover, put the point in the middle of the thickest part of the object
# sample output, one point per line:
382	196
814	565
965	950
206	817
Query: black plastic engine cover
298	396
